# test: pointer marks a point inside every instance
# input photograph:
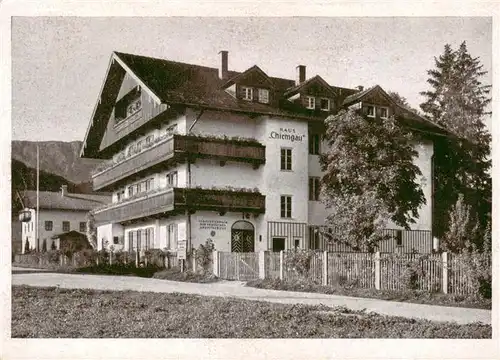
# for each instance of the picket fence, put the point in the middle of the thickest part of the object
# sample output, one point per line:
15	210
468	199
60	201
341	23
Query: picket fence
169	260
383	271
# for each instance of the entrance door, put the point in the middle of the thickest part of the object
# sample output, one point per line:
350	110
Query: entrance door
242	237
278	244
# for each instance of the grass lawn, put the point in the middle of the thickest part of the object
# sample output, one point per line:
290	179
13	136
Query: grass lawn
64	313
412	296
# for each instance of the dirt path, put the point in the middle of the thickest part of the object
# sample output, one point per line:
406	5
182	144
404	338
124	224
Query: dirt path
238	290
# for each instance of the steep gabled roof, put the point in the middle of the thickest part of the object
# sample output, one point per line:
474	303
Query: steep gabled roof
295	89
254	68
55	201
351	99
174	83
409	117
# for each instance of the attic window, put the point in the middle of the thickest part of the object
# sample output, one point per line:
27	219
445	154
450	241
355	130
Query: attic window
264	96
247	93
128	105
384	112
325	104
370	111
311	102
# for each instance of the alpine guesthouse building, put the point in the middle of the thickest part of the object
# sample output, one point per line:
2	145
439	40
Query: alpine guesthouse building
195	153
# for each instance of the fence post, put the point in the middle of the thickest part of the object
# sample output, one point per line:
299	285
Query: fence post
377	270
262	265
215	257
282	265
60	259
193	255
445	272
110	258
325	268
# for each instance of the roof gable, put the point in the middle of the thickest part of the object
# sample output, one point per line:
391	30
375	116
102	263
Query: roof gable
55	201
314	86
373	94
254	76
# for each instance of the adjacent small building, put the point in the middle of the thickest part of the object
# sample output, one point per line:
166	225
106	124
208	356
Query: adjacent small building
195	153
60	213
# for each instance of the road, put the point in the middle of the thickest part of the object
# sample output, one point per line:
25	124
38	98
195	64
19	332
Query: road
238	290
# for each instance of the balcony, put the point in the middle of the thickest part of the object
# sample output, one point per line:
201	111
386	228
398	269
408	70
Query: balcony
164	201
175	148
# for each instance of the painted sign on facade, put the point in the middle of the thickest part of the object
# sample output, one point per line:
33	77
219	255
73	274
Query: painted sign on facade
212	224
286	134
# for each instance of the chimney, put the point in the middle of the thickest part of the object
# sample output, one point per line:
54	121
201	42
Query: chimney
223	65
301	74
64	190
360	88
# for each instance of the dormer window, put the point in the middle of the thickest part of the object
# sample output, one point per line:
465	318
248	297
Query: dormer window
370	111
264	96
247	93
311	102
384	112
325	104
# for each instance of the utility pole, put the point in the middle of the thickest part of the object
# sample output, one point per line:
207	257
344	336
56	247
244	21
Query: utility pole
37	229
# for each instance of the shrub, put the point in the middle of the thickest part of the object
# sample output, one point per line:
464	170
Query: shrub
26	247
409	271
203	255
155	257
299	261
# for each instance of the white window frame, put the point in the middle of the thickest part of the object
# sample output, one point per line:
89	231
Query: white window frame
172	179
387	112
322	108
288	203
247	93
264	96
288	158
311	102
368	112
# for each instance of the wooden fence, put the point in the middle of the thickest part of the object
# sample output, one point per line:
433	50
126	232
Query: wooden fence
383	271
55	259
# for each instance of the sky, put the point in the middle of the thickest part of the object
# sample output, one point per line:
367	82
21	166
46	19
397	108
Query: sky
59	63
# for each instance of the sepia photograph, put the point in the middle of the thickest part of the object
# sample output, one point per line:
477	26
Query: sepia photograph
251	177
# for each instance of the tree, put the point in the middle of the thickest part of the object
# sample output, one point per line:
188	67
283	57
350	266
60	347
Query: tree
369	177
461	227
459	102
91	230
402	101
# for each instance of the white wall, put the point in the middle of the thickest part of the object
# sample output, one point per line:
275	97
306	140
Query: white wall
276	182
216	123
57	217
208	173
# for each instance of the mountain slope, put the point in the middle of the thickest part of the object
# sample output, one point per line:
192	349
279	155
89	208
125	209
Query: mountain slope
56	157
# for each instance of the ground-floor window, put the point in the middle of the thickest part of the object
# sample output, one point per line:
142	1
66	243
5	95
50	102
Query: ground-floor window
278	244
171	237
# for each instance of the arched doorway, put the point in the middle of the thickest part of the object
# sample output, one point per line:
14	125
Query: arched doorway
242	237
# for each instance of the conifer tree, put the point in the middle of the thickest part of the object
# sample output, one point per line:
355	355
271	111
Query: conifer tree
458	101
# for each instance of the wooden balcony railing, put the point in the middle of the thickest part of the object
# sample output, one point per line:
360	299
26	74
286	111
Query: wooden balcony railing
175	148
157	203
